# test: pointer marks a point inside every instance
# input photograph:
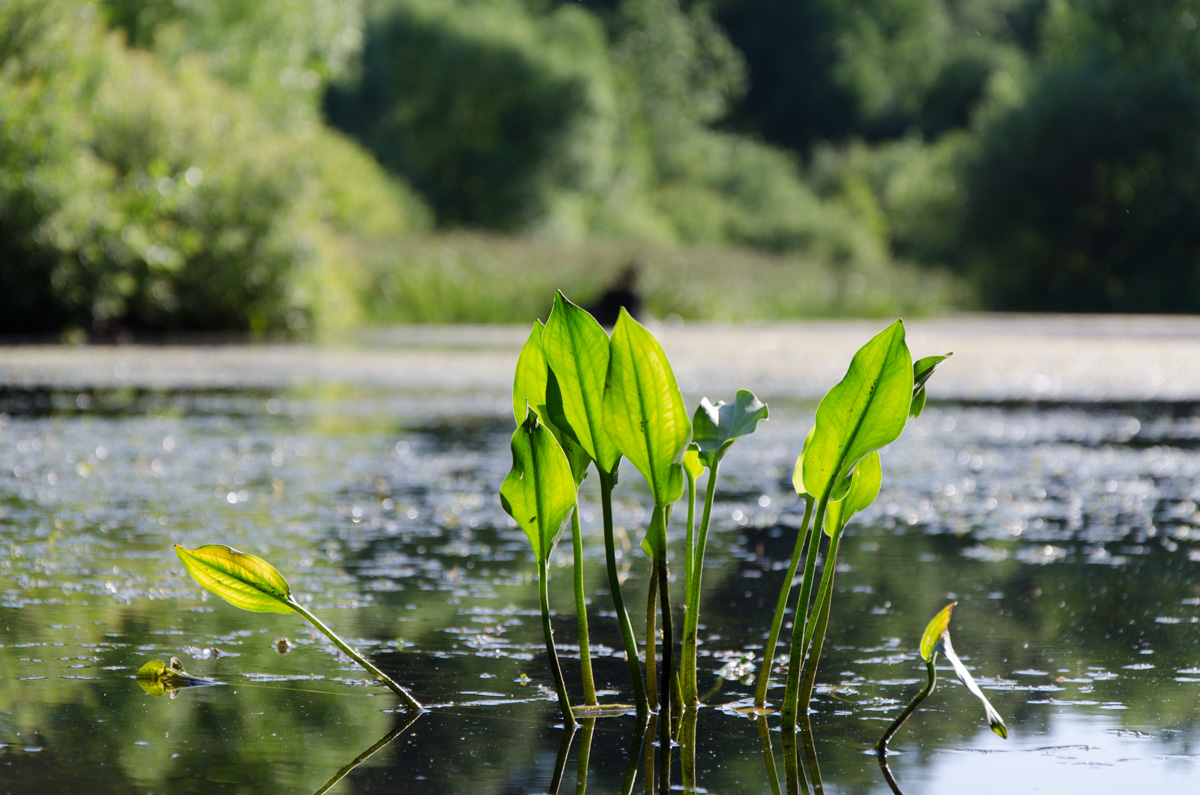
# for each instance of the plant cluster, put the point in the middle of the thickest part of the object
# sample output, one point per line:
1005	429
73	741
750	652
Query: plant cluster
586	400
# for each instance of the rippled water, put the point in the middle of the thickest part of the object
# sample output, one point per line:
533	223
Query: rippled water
1068	532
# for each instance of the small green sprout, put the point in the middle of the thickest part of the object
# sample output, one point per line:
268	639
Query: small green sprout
937	639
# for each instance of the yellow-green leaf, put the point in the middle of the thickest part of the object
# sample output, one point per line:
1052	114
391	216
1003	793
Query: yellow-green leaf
643	410
934	631
243	580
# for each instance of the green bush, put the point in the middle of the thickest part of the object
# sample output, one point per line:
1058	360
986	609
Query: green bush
138	195
494	115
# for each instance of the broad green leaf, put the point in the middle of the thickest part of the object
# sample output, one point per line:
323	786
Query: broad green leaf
533	386
539	491
922	369
993	717
715	427
934	631
576	348
864	488
243	580
862	413
529	379
643	410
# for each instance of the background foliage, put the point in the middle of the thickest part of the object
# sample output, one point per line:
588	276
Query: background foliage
172	165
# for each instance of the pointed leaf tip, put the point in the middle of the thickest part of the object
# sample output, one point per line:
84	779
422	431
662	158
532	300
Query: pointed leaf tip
244	580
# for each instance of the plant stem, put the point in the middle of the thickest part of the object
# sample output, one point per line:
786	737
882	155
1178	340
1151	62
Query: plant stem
607	482
585	652
668	642
799	691
691	605
800	624
409	702
652	635
560	684
881	746
764	674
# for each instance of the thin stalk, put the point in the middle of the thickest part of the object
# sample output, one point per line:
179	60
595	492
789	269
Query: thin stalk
652	635
668	655
764	675
668	642
689	543
691	605
799	691
799	645
881	746
560	685
687	749
607	482
409	702
585	652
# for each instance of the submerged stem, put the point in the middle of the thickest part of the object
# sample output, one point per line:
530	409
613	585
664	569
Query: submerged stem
409	702
607	482
691	606
931	670
764	674
560	684
585	653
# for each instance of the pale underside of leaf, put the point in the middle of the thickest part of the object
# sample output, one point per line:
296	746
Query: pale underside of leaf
993	717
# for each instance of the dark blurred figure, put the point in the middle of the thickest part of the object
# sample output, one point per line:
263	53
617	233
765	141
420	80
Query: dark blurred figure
621	293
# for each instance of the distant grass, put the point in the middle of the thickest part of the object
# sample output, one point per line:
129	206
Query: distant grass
462	277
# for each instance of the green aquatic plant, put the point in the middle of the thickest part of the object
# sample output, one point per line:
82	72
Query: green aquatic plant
532	382
249	582
714	429
578	353
539	493
645	418
935	639
837	474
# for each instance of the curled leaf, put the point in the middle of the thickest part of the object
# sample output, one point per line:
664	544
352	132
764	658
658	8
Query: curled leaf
934	631
993	717
243	580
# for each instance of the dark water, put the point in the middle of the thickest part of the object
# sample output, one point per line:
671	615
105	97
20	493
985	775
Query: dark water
1068	534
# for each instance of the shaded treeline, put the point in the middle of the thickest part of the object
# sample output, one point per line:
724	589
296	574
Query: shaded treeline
222	165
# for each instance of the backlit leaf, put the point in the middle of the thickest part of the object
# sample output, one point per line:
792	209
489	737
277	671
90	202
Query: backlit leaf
539	491
934	631
243	580
922	369
865	411
576	349
534	386
864	488
643	410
